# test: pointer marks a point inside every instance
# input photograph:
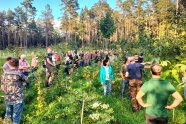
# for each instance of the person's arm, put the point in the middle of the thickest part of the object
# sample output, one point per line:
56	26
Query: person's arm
28	65
127	72
178	99
122	76
48	60
101	76
4	69
139	96
147	67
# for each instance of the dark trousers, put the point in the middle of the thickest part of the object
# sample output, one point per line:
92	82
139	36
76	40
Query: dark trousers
26	74
134	87
49	76
156	120
34	69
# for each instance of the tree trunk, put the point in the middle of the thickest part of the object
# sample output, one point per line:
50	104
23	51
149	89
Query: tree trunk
46	38
3	35
8	36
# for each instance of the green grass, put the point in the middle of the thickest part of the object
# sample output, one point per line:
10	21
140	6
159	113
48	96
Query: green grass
63	102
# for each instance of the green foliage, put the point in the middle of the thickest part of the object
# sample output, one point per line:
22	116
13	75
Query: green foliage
107	26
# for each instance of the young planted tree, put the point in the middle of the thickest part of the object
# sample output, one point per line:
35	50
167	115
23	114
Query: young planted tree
107	27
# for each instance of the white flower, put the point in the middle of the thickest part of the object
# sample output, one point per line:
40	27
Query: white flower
94	116
105	106
95	105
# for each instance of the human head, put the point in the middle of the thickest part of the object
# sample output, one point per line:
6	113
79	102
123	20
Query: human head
107	57
14	62
23	56
8	59
141	54
32	54
136	57
156	69
105	62
125	61
130	59
49	50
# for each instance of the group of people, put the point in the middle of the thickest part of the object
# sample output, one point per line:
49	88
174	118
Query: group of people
156	89
73	60
16	73
14	77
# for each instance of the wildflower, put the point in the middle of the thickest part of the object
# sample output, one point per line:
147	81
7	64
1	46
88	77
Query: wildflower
95	105
105	106
94	116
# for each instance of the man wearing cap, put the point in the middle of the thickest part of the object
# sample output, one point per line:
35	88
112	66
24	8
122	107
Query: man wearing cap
158	92
133	72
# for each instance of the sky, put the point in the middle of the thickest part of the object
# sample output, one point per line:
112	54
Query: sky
54	4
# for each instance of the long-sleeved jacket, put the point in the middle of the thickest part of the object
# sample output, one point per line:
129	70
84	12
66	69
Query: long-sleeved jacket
103	74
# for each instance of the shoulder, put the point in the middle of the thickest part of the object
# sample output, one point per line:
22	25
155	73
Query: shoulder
102	68
139	64
5	65
129	66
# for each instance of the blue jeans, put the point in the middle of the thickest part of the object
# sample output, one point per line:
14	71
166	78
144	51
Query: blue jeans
185	92
81	64
14	112
125	83
107	86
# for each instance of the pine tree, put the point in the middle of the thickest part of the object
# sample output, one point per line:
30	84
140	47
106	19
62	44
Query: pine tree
107	27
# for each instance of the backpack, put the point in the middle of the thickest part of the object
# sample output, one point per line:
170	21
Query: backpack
75	57
58	58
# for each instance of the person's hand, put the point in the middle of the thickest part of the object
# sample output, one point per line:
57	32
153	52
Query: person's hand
149	62
146	105
2	87
169	107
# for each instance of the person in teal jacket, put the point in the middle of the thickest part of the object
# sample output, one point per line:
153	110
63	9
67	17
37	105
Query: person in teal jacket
106	76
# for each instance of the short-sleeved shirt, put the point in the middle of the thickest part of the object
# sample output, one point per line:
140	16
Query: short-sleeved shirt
158	92
134	70
12	83
34	62
123	70
6	67
23	63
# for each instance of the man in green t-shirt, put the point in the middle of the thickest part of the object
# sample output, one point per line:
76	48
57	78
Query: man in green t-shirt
158	92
